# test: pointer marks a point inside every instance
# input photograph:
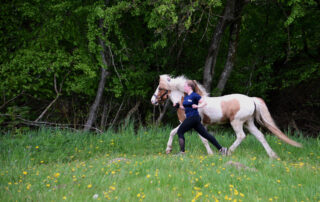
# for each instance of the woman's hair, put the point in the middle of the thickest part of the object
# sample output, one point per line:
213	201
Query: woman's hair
192	85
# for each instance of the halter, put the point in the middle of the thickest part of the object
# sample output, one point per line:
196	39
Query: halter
161	95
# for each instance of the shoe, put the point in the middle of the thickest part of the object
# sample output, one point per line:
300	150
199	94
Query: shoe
223	151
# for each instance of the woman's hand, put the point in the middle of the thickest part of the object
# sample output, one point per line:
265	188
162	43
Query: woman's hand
194	106
202	103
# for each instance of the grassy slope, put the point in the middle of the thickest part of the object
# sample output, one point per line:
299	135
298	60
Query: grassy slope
56	165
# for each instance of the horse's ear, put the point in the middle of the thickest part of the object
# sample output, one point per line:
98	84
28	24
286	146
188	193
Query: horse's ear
197	88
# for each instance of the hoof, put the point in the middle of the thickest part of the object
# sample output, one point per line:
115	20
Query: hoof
275	156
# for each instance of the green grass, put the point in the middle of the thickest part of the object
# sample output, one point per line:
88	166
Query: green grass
55	165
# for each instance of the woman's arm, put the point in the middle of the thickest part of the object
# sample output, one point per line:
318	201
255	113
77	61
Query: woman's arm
202	103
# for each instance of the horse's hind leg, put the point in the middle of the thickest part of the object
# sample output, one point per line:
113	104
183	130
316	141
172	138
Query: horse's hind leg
237	126
256	132
206	144
169	144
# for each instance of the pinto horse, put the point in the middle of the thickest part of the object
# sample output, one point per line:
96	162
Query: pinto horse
237	109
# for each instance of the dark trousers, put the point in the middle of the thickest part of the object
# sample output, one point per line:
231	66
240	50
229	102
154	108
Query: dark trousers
195	123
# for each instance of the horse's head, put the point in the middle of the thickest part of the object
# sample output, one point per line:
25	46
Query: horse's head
162	92
160	96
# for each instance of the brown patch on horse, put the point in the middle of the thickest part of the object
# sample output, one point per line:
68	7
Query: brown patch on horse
161	96
180	112
206	119
181	115
229	109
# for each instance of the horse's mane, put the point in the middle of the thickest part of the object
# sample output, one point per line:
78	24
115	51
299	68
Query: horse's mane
170	83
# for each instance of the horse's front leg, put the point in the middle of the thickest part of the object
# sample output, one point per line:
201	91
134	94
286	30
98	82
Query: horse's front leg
169	144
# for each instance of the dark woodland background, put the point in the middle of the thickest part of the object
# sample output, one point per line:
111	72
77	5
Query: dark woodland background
94	65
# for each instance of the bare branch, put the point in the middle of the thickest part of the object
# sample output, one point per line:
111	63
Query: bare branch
48	124
114	66
117	115
53	101
6	102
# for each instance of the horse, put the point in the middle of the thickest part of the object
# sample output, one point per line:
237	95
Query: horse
237	109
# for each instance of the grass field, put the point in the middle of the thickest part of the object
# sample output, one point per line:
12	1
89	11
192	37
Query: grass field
56	165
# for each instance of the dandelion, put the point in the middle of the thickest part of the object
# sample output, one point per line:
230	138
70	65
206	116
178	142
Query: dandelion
206	185
25	172
28	186
112	188
278	181
64	198
56	175
48	185
241	194
138	195
37	147
107	196
148	176
236	192
196	188
89	186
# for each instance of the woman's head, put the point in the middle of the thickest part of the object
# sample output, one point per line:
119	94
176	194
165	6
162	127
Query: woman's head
189	86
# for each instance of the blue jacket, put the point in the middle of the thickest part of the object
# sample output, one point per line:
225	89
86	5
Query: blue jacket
188	101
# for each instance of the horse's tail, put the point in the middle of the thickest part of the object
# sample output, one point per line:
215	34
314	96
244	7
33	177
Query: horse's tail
264	118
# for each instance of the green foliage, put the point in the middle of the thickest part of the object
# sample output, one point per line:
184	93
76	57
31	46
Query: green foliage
43	40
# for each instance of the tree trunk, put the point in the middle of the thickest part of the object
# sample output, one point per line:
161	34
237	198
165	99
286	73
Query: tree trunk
162	113
233	43
133	110
104	73
213	51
